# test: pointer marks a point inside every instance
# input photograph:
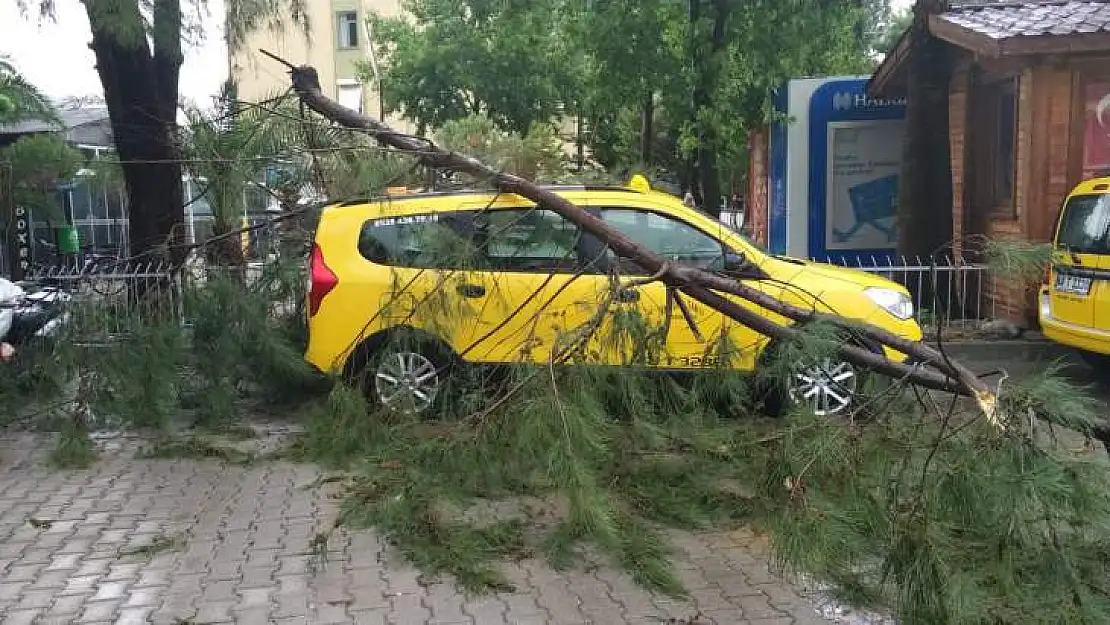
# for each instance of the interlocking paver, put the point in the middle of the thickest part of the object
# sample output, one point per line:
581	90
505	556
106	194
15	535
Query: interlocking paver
97	611
22	617
245	558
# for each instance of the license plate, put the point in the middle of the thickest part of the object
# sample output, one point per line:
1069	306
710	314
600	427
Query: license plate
1075	285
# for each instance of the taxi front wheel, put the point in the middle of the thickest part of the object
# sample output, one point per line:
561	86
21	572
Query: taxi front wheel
827	386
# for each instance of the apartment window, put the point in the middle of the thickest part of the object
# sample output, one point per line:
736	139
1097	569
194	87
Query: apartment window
349	94
348	29
1002	99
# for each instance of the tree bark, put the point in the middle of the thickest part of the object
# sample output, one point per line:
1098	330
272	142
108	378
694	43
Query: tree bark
705	71
943	373
141	91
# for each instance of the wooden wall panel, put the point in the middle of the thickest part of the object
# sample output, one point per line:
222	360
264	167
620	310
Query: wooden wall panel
957	138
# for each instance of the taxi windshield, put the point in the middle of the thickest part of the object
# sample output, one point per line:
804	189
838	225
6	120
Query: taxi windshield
1085	225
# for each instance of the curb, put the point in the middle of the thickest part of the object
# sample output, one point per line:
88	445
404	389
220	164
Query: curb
1009	350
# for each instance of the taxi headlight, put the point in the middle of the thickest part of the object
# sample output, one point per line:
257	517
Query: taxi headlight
894	302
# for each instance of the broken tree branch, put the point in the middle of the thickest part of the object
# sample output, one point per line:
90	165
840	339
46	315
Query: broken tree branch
932	370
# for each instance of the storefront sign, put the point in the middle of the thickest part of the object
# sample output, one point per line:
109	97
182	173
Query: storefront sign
834	171
22	246
855	164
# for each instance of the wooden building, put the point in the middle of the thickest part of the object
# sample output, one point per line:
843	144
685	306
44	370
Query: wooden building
1008	108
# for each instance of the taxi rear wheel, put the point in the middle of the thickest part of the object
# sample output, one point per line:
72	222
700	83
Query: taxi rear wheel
406	373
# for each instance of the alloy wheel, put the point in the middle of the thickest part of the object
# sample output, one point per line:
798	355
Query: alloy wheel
406	382
827	387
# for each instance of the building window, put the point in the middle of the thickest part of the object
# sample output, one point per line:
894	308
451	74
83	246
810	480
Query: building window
349	94
1003	162
348	29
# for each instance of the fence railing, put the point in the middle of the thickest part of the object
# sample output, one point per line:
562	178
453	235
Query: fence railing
109	297
946	291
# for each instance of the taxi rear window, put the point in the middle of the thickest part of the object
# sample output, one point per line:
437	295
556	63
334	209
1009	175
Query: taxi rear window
1085	225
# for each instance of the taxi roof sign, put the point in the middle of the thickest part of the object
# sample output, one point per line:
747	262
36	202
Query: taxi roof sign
640	183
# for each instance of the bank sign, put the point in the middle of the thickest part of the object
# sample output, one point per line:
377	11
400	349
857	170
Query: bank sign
835	170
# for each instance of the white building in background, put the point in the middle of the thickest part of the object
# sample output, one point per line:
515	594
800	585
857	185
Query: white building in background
338	41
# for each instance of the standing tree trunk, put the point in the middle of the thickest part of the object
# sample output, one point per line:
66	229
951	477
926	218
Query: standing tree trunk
705	71
141	91
647	131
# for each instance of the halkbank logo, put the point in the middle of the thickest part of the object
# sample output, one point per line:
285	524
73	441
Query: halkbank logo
845	101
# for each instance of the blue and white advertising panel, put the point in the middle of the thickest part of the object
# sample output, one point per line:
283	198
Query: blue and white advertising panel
836	160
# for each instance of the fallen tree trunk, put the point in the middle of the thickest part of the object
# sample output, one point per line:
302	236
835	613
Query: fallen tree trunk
934	370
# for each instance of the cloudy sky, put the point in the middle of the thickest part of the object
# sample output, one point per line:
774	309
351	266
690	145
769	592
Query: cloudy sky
56	57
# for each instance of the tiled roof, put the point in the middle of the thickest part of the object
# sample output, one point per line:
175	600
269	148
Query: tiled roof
999	19
69	116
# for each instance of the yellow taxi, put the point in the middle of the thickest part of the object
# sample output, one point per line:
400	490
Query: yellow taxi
405	289
1075	303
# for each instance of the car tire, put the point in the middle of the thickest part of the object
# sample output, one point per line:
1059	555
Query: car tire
830	388
406	374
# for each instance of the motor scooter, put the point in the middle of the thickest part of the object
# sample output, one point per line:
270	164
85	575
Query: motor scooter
28	312
10	296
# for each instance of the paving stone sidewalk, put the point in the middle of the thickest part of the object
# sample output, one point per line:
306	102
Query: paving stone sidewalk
181	542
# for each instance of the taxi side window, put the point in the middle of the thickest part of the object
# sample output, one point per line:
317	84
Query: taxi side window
524	240
529	240
435	241
671	238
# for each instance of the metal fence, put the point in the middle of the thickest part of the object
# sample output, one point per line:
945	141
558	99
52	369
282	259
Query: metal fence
946	291
110	298
105	301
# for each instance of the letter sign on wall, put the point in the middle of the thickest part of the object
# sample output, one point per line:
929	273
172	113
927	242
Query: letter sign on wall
22	260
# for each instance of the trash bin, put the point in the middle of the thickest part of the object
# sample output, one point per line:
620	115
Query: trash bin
69	241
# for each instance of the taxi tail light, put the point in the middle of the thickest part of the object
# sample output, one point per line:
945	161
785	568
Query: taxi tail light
321	280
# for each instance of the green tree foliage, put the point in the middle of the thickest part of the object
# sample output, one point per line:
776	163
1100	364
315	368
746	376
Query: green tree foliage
269	149
946	519
538	154
19	99
502	59
670	83
228	151
891	31
39	163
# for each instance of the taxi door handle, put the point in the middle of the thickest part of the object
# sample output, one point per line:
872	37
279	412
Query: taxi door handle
471	290
628	295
